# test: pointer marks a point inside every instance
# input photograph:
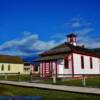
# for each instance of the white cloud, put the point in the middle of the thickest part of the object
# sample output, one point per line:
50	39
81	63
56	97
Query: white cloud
76	24
26	33
43	45
84	31
18	42
31	44
58	36
28	45
88	41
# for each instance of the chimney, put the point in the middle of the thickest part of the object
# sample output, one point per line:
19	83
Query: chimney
71	38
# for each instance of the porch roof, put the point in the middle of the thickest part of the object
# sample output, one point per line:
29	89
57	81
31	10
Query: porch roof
53	57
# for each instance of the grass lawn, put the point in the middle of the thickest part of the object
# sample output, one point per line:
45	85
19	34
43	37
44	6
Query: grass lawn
9	90
18	77
90	82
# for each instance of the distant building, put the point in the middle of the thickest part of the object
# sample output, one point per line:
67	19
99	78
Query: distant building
11	64
27	68
69	60
30	68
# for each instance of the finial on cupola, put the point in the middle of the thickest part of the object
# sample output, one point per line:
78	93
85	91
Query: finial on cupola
71	38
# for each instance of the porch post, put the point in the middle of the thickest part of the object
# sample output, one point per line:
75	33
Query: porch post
42	69
72	67
45	69
56	70
49	69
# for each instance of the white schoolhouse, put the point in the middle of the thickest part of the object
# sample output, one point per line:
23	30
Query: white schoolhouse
69	60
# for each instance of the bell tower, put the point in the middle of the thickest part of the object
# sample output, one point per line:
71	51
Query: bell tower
71	38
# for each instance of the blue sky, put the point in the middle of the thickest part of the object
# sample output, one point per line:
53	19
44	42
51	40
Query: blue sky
28	27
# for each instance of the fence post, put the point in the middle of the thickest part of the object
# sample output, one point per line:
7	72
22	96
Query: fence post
18	76
84	80
5	76
54	78
31	76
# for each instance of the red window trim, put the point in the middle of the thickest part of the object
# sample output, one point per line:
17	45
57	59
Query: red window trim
91	63
82	62
85	53
66	59
42	69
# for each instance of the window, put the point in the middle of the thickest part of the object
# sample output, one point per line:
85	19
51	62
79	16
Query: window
8	67
2	67
82	62
66	63
26	69
36	68
91	63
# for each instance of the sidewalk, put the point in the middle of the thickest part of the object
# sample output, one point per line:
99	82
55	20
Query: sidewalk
55	87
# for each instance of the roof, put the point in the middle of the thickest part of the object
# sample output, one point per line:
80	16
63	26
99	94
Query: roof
27	63
63	49
10	59
54	57
97	51
72	35
66	48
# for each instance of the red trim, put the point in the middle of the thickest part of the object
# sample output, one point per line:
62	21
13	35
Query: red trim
72	66
91	63
55	53
85	53
93	54
66	58
82	62
56	70
49	69
42	69
75	39
72	40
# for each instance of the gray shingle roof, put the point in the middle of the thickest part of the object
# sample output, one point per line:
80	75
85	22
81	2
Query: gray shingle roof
62	50
53	57
65	48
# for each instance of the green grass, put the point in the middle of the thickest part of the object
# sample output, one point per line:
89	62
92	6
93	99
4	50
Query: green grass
45	94
94	82
16	78
90	82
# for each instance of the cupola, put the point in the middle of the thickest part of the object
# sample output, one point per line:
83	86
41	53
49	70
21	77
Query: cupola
71	38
